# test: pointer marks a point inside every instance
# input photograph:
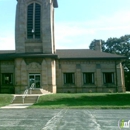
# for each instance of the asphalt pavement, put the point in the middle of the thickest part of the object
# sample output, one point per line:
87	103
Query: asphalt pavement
63	119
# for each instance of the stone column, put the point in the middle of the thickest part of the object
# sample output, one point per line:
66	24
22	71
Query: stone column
24	76
20	27
78	79
44	78
46	27
18	75
98	82
51	68
59	78
120	78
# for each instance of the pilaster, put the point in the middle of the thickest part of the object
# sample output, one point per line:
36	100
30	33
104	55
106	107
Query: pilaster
18	75
51	67
120	78
24	75
99	80
44	78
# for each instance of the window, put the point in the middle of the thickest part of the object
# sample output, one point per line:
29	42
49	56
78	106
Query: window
88	78
69	78
108	77
33	21
7	79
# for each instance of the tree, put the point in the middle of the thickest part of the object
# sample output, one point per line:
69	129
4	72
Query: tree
119	46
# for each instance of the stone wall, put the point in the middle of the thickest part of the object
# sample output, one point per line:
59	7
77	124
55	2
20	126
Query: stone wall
46	43
45	67
98	67
52	78
7	66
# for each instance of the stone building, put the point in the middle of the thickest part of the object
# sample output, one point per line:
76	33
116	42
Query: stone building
35	59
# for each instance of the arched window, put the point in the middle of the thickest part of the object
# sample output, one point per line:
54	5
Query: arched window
33	21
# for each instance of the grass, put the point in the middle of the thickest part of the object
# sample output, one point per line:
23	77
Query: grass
5	99
88	100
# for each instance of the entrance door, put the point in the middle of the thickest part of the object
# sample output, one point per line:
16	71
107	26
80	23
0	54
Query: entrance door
34	78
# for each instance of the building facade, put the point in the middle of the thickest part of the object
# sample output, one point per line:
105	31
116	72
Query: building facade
35	59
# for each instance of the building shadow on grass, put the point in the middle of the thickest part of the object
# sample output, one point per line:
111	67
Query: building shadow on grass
74	100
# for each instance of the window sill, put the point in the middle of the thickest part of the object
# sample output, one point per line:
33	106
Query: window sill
69	85
33	41
89	85
109	85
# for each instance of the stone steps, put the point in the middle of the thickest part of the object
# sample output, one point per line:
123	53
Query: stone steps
39	91
28	99
31	97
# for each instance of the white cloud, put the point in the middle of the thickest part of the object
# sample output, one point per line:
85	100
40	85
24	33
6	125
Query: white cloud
80	34
7	43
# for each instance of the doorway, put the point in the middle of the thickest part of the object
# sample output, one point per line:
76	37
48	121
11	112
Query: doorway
34	78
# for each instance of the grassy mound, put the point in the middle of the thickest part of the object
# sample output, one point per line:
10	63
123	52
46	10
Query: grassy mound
5	99
93	100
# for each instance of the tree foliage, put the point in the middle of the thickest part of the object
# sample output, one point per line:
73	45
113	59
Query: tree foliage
119	46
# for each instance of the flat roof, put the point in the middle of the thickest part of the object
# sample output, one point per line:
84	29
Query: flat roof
85	54
63	54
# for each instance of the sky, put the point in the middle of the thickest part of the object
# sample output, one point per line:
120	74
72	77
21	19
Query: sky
77	22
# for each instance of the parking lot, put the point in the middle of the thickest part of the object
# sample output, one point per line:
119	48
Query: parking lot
61	119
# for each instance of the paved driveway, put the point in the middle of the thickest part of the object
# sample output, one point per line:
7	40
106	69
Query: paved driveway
61	119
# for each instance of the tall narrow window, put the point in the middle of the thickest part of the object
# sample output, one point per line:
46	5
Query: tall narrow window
88	78
108	77
33	21
37	20
68	78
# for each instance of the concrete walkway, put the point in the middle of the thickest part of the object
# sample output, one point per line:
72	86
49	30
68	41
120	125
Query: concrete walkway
17	106
22	106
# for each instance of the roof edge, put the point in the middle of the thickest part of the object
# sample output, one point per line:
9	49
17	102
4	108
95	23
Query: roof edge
11	56
97	58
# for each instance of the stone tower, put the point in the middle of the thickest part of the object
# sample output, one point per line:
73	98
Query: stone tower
35	45
34	29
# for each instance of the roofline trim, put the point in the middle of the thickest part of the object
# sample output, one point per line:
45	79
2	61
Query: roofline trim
112	58
13	56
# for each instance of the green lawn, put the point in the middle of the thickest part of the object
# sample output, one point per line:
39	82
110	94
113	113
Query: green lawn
5	99
88	100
